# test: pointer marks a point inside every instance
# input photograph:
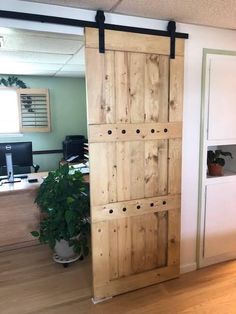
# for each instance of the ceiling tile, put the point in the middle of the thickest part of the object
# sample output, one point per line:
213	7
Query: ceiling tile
85	4
38	53
30	57
73	67
219	13
40	44
28	68
78	58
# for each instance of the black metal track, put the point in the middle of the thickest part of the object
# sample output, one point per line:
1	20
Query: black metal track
83	23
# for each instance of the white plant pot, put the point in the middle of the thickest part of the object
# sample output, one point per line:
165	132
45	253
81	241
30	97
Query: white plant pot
63	250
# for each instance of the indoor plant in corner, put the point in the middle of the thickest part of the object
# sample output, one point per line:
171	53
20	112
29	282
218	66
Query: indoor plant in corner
64	207
215	162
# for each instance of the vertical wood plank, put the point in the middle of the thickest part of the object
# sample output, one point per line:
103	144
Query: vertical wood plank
151	249
121	87
103	190
155	168
174	237
112	172
174	166
137	169
176	89
113	249
94	82
138	243
156	88
100	77
136	86
162	238
100	253
124	247
108	109
123	171
175	114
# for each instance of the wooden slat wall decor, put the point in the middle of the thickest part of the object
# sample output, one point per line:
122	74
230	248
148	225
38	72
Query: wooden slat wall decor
34	110
135	98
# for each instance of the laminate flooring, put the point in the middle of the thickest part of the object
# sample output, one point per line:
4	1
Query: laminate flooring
31	283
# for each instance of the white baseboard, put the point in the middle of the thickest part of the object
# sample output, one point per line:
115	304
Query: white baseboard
187	268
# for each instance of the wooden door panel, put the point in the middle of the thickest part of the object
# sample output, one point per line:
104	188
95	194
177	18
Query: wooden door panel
130	170
127	87
135	127
137	252
136	244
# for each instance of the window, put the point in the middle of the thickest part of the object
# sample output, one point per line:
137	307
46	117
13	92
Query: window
34	110
9	113
24	110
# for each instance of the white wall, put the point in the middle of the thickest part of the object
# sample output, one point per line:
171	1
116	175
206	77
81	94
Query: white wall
199	38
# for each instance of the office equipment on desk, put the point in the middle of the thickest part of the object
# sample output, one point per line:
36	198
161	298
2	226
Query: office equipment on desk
73	147
82	167
33	180
72	158
86	151
13	156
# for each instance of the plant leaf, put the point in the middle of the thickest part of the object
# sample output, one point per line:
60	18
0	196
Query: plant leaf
35	234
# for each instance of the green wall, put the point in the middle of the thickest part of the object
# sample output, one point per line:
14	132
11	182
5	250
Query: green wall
68	116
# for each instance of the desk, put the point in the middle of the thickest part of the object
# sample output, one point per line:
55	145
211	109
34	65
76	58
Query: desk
19	215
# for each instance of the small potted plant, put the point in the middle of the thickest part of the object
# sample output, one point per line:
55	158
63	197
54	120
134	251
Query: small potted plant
64	206
215	162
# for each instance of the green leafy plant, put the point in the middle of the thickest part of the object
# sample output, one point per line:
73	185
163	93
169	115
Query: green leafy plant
65	210
213	157
12	81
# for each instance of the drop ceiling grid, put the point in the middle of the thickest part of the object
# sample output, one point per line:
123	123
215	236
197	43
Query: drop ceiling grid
38	53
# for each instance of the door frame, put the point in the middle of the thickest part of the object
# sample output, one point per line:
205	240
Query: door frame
201	262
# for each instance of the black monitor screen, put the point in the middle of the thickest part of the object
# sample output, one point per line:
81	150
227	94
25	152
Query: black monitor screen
21	153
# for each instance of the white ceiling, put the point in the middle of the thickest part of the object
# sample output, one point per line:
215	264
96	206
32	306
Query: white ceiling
217	13
39	53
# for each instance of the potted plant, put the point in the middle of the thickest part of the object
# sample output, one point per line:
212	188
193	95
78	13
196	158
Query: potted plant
215	162
64	209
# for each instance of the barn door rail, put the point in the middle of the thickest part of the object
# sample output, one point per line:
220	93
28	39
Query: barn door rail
100	24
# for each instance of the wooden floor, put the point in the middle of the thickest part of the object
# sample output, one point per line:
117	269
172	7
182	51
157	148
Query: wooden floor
31	283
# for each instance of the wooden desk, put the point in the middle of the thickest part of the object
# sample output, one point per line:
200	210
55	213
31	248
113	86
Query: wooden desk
19	215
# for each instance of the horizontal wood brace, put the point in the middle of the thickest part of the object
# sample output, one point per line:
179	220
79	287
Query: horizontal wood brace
135	207
133	42
137	281
134	132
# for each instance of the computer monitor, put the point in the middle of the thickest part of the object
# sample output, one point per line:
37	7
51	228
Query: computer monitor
15	154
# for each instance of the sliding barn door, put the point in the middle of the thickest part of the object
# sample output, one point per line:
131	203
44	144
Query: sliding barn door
134	95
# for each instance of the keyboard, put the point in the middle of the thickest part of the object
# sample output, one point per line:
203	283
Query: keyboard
17	176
